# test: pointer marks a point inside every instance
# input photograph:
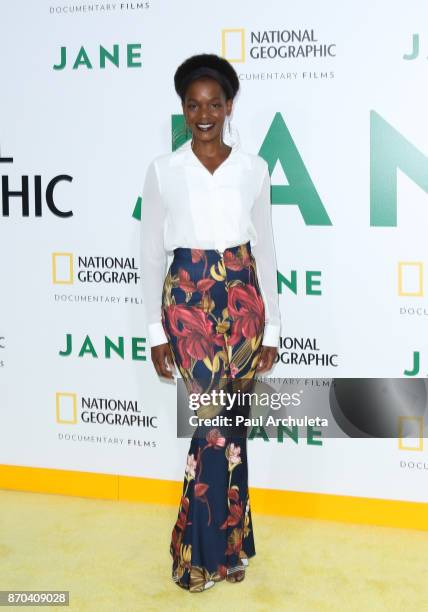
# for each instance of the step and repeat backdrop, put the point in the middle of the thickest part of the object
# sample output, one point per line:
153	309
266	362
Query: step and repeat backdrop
334	97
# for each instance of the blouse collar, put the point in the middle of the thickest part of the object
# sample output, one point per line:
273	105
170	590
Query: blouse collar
232	139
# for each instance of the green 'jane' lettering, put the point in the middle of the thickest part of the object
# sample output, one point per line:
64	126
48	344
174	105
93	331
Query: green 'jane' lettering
416	366
278	146
105	56
87	347
69	346
133	53
312	282
258	432
63	60
311	436
82	59
292	433
113	58
138	346
415	49
136	213
389	150
117	348
290	283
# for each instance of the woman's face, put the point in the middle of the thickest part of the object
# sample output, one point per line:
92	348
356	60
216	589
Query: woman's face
205	108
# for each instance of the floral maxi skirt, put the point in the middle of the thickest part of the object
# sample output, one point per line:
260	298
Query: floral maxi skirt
213	315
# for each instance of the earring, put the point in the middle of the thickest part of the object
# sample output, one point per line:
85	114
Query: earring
227	125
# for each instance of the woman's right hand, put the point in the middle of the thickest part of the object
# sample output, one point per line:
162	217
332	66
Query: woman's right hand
162	357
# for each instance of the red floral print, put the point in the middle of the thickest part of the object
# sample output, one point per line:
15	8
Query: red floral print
194	331
215	439
247	311
233	262
203	285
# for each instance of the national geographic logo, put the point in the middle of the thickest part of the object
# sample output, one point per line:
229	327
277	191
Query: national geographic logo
411	284
411	433
29	195
237	45
304	351
86	269
118	56
410	278
100	411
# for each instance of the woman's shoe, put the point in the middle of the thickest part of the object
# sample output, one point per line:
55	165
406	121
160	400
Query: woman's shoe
196	589
236	574
209	584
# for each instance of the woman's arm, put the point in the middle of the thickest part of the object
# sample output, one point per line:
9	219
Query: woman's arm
264	253
153	255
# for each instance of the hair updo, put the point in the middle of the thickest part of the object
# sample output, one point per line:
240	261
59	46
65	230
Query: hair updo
206	65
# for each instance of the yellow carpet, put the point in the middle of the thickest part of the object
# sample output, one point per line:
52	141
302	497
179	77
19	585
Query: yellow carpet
115	556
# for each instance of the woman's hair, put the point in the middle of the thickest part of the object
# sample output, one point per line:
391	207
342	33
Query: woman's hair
206	65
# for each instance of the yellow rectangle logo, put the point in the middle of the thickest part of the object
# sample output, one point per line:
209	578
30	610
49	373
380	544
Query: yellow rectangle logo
233	44
411	278
410	428
62	268
66	408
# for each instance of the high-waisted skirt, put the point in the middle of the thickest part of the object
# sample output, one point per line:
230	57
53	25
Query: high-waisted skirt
213	315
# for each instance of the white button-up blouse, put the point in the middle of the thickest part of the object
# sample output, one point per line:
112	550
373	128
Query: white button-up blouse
184	205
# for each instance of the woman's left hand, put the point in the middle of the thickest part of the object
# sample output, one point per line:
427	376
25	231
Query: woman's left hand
266	359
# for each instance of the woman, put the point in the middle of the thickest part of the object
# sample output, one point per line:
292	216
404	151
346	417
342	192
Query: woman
215	313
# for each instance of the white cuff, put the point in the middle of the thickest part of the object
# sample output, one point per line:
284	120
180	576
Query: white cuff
156	334
271	335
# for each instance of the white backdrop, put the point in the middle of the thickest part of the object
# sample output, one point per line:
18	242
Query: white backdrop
357	124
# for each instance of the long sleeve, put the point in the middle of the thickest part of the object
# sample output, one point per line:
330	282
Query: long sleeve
264	254
153	255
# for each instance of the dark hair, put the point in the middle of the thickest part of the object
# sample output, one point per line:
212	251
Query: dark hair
206	65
